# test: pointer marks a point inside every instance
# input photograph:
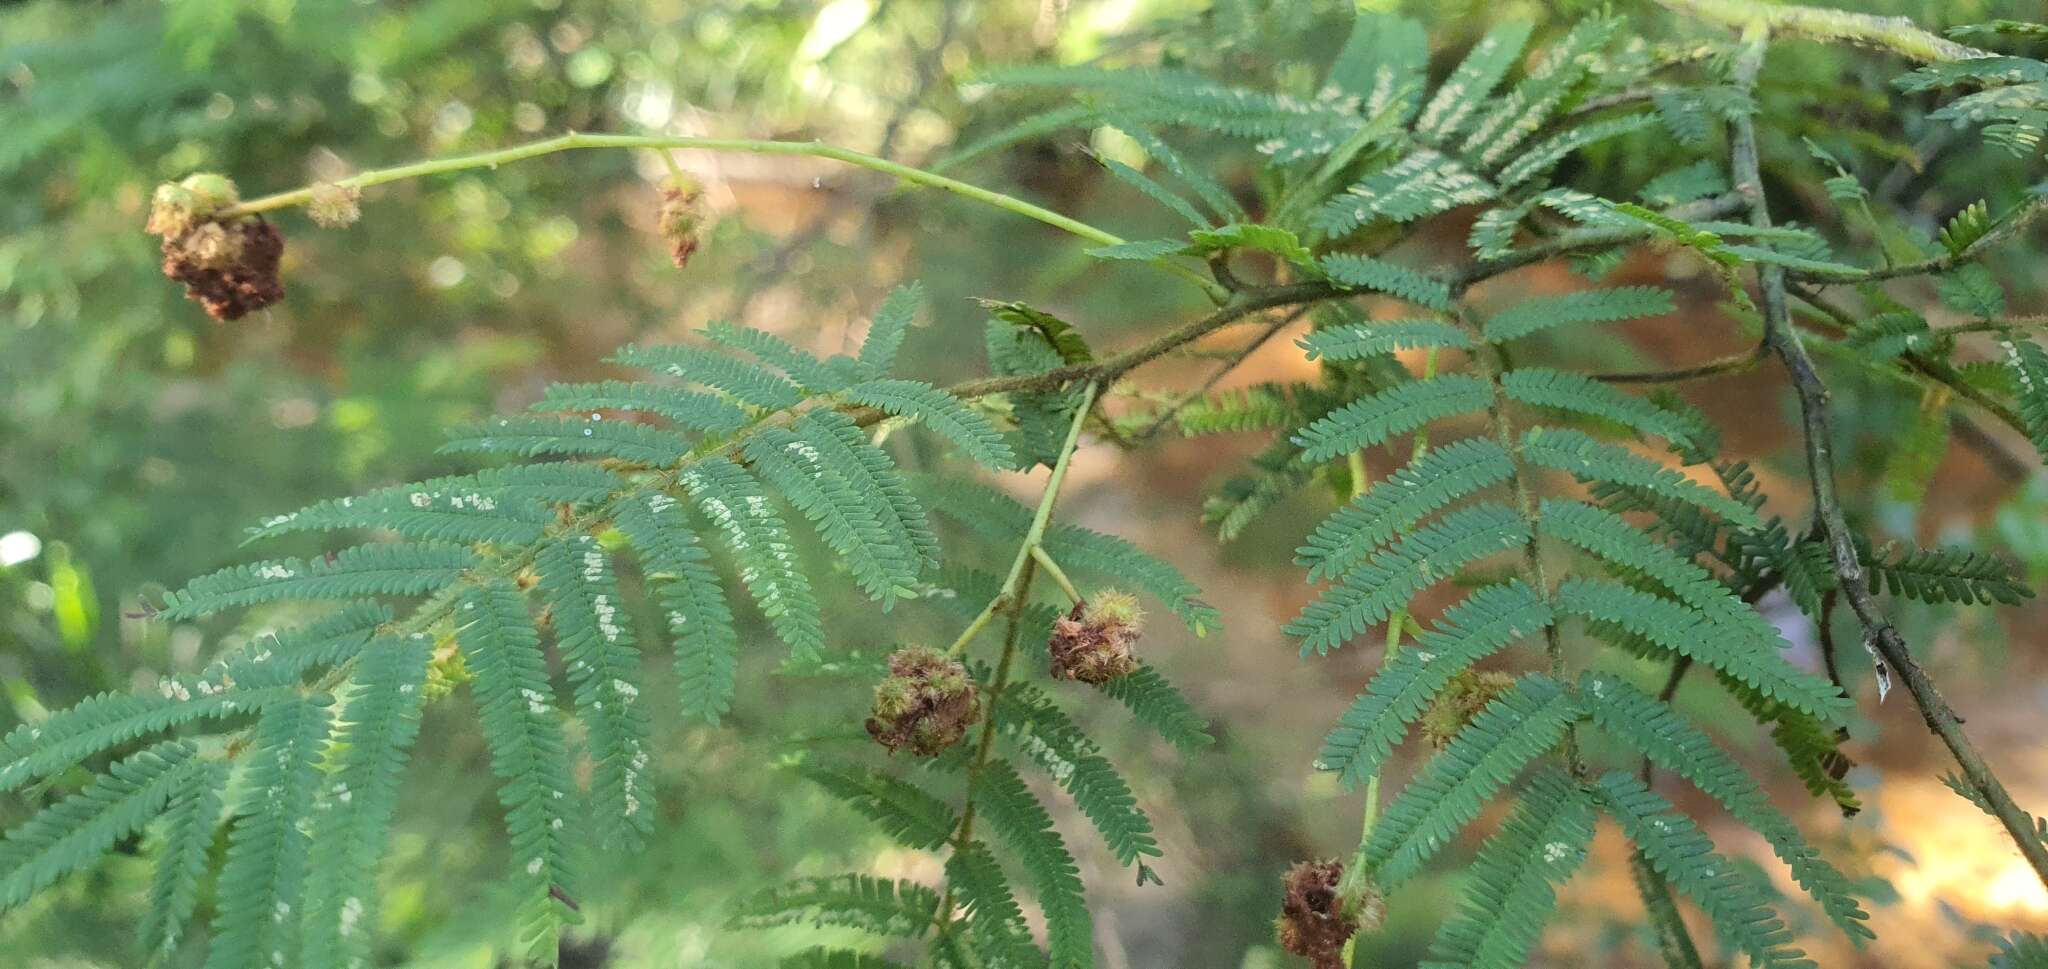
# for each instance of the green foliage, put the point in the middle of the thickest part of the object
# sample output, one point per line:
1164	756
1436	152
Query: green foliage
1365	272
1516	877
1488	620
72	834
784	460
1509	733
1676	849
1016	815
878	905
265	877
1574	309
1371	421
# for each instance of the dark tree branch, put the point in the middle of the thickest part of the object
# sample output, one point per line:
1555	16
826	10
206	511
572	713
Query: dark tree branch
1880	636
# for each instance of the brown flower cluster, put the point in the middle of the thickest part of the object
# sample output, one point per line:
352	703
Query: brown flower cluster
1314	923
1093	643
926	704
681	218
230	267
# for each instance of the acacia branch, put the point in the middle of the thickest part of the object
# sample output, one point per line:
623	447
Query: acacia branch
1880	635
1899	35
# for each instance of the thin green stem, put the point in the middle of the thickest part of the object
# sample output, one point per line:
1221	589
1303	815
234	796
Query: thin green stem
1354	873
1899	35
756	146
1056	574
986	744
1010	591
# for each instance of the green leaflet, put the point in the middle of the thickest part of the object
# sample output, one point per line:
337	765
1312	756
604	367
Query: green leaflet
1359	341
1044	734
1443	475
745	382
848	517
808	372
1685	631
528	753
1392	412
2028	364
902	810
691	409
693	605
1370	592
941	412
1510	732
402	569
266	869
740	511
1738	906
1573	309
596	642
73	834
843	445
1155	703
350	833
107	720
877	905
1531	104
1474	78
1364	272
1593	460
1015	814
1944	575
1652	727
1488	620
1543	387
1515	878
888	329
184	847
992	916
1423	184
1607	535
591	437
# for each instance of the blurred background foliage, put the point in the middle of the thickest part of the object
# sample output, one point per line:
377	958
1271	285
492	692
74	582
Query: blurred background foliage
138	438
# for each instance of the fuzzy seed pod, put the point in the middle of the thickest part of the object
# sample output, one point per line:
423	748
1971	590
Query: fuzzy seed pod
1313	923
1460	700
334	205
1093	642
681	218
926	704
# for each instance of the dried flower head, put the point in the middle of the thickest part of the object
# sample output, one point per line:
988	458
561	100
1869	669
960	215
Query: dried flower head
925	704
335	205
1459	701
230	268
1093	642
681	218
1313	923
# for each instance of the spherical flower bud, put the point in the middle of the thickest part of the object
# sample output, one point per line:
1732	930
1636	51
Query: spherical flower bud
1093	643
179	206
1459	701
681	218
925	704
1314	922
334	205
